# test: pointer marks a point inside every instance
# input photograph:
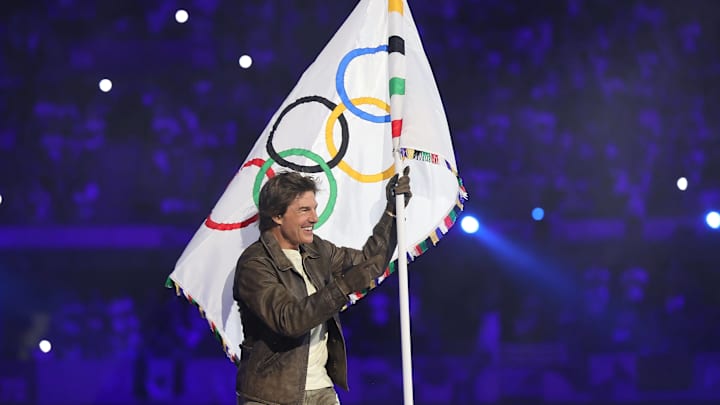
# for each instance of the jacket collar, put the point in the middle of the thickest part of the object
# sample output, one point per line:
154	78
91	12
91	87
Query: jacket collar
278	256
310	250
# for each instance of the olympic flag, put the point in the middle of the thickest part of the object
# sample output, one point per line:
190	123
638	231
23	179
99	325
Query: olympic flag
336	125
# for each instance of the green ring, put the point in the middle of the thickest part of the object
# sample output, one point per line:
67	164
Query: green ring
315	158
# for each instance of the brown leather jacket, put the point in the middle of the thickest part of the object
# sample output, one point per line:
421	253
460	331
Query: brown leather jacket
277	314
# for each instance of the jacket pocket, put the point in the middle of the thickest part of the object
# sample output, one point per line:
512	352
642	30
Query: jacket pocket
268	363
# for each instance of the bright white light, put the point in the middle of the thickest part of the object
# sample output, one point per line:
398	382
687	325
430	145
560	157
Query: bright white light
105	85
0	198
682	184
45	346
181	16
469	224
245	61
713	219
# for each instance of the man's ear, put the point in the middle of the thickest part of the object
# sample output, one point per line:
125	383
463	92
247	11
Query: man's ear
277	219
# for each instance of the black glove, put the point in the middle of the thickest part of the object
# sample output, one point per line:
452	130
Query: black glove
360	277
398	186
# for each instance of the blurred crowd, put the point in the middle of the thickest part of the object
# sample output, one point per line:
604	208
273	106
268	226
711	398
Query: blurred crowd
602	296
589	108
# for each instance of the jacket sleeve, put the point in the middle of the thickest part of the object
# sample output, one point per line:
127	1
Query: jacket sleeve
257	285
383	241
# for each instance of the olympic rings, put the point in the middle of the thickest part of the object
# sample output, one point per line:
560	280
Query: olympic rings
336	114
344	166
218	226
314	157
340	84
278	157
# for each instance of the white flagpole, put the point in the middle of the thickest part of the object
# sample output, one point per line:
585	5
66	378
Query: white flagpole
405	340
397	72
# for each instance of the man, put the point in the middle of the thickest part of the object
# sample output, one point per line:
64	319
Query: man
290	286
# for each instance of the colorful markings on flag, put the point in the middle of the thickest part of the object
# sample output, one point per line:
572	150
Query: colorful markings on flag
396	128
395	6
345	133
329	207
340	83
218	226
344	166
396	44
397	86
407	153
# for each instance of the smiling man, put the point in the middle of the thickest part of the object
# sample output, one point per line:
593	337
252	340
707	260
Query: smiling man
290	286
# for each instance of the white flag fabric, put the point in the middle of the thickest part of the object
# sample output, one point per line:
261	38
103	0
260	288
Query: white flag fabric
335	125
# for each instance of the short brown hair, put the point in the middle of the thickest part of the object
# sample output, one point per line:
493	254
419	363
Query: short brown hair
279	192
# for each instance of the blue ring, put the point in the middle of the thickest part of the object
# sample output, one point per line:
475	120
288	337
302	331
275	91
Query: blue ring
340	84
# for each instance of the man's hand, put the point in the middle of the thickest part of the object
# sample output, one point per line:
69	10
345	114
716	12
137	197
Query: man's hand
397	186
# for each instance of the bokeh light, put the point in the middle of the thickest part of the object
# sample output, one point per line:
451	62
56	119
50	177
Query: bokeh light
713	219
469	224
538	214
245	61
181	16
45	346
682	184
105	85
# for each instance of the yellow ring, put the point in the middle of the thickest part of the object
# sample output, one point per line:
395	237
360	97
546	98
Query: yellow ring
364	178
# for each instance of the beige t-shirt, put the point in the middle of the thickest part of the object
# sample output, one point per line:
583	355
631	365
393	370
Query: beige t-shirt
317	376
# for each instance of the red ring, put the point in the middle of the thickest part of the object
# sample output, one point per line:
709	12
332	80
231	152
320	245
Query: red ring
238	225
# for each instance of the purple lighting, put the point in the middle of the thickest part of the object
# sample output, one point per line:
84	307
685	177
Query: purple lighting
122	123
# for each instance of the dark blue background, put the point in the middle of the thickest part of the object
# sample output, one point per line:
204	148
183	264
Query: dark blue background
590	109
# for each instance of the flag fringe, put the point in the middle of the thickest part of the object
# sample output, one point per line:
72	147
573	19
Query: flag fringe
170	283
433	237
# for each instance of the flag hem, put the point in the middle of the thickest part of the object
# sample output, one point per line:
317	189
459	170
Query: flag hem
170	283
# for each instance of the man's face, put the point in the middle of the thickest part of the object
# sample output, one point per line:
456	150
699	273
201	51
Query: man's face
296	224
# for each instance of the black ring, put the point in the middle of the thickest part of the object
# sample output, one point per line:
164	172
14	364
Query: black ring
310	169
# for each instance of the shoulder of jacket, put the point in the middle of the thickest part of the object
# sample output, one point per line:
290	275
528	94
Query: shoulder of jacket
319	246
255	250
